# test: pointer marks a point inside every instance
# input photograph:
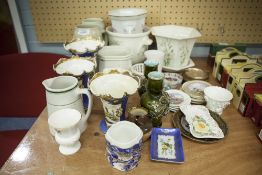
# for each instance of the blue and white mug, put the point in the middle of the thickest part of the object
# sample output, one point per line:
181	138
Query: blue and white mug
123	145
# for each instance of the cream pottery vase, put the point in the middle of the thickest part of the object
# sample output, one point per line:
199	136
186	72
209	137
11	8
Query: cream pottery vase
176	42
67	133
217	98
136	43
128	20
123	145
63	92
113	86
114	57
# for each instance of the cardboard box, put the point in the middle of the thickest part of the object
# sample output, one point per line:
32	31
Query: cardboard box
228	63
235	72
246	102
239	86
226	53
257	111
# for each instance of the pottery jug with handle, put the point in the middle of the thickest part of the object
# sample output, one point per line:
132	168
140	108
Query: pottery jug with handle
64	92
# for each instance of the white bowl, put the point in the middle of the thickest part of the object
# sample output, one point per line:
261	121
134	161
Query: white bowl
114	57
128	20
217	98
176	42
136	43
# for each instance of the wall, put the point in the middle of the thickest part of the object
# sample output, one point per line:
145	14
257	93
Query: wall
200	50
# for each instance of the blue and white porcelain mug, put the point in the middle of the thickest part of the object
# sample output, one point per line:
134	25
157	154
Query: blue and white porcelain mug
123	145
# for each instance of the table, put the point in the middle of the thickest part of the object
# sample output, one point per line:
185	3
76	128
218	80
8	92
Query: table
239	153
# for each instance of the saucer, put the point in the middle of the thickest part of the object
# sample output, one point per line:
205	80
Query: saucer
179	68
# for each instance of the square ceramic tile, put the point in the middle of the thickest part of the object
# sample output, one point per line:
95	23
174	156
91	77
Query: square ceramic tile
166	145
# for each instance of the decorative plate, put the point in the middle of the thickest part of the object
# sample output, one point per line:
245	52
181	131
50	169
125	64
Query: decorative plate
172	80
178	98
179	118
176	69
195	88
82	46
166	145
75	66
201	124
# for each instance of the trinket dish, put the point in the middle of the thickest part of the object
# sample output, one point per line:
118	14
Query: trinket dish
180	122
74	66
166	145
195	74
201	124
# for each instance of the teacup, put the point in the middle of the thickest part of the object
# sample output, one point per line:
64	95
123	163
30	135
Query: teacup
123	145
217	98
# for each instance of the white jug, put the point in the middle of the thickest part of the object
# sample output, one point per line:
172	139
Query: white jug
63	92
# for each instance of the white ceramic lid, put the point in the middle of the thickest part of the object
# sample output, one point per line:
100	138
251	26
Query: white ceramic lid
123	12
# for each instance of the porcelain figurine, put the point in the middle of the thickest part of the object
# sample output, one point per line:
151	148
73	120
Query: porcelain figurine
123	145
154	99
113	87
67	134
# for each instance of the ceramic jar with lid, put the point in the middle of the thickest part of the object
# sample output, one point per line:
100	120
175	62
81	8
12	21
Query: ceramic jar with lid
154	99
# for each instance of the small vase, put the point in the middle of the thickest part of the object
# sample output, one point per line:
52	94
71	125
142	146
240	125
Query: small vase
154	99
67	133
149	66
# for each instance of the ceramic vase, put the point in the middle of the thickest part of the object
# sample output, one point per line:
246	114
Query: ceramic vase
67	133
123	145
113	88
154	99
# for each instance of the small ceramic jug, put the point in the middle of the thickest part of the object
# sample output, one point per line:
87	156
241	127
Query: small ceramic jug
67	133
123	145
63	92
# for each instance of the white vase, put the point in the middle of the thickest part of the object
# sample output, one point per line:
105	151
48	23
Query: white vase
67	133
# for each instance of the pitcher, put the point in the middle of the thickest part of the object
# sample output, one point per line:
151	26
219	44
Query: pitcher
63	92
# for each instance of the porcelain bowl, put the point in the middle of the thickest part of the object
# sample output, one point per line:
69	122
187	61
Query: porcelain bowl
176	42
114	57
128	20
136	43
217	98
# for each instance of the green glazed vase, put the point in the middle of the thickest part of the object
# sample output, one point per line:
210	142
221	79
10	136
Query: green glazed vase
154	99
149	66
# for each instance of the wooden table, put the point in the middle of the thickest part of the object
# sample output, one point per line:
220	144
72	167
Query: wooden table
239	153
